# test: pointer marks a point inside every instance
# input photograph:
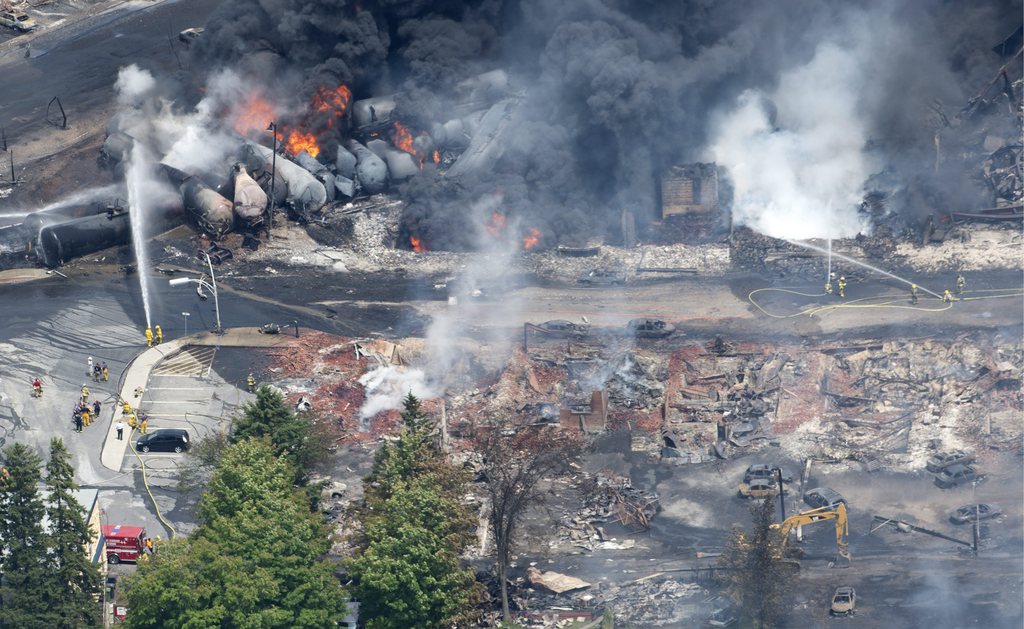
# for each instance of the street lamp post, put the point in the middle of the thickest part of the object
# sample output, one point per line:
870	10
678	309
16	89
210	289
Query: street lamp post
203	284
186	315
272	127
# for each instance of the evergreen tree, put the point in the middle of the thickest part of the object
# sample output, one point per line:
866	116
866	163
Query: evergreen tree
75	579
408	575
256	559
23	589
412	456
293	435
414	525
757	576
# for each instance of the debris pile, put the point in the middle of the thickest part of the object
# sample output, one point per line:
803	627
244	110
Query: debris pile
719	394
901	396
607	499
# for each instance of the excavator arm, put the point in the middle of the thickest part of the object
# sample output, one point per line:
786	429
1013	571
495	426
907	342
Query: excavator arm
821	514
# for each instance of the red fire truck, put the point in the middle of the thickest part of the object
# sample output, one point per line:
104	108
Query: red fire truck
124	543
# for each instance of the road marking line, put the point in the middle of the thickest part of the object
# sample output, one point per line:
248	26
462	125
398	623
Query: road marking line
174	389
176	401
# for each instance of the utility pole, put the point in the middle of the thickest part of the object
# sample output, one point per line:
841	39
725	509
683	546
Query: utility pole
272	127
782	496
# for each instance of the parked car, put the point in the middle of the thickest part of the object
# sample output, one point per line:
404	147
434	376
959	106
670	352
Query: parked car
956	475
844	601
723	614
970	513
189	35
602	277
942	460
650	328
561	328
824	497
17	20
763	470
758	488
164	440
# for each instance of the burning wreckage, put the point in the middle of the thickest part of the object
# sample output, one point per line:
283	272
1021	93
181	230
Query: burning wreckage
338	150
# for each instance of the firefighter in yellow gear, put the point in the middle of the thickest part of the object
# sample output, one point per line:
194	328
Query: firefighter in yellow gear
143	425
913	293
86	417
149	337
133	421
106	373
250	382
960	283
126	409
85	394
842	286
828	288
159	335
947	297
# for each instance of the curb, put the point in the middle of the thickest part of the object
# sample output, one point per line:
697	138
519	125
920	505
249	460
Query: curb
137	374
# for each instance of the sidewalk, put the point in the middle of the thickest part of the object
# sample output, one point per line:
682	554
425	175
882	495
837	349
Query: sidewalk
137	375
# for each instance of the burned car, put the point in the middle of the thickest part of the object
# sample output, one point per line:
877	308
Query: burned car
844	601
943	460
758	488
824	497
560	328
763	470
979	512
956	475
602	277
649	328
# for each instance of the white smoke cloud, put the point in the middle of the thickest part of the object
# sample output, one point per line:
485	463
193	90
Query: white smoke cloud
191	141
133	85
386	386
446	361
800	173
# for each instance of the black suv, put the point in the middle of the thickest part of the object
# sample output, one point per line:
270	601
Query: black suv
164	440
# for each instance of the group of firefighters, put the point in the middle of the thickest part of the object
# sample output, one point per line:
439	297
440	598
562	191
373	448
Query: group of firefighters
98	371
83	414
947	297
154	336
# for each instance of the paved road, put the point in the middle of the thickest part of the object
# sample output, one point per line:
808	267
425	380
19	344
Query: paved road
80	66
50	329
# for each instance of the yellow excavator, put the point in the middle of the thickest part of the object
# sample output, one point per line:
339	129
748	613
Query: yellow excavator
821	514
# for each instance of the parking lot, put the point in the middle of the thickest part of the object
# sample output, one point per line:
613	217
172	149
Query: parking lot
198	389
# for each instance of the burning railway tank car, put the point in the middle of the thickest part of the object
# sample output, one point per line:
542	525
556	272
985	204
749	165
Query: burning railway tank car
306	193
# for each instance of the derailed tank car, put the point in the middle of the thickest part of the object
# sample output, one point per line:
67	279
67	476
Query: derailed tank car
212	212
60	242
250	201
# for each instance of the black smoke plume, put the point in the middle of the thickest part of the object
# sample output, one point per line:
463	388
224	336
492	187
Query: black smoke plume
611	92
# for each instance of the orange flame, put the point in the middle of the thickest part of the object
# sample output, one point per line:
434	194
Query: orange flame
334	101
299	141
417	245
403	139
496	224
531	239
253	114
437	157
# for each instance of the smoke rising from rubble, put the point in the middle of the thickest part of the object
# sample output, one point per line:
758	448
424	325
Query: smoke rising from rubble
386	386
798	157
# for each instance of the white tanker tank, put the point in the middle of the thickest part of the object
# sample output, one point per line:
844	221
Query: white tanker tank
306	193
250	201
